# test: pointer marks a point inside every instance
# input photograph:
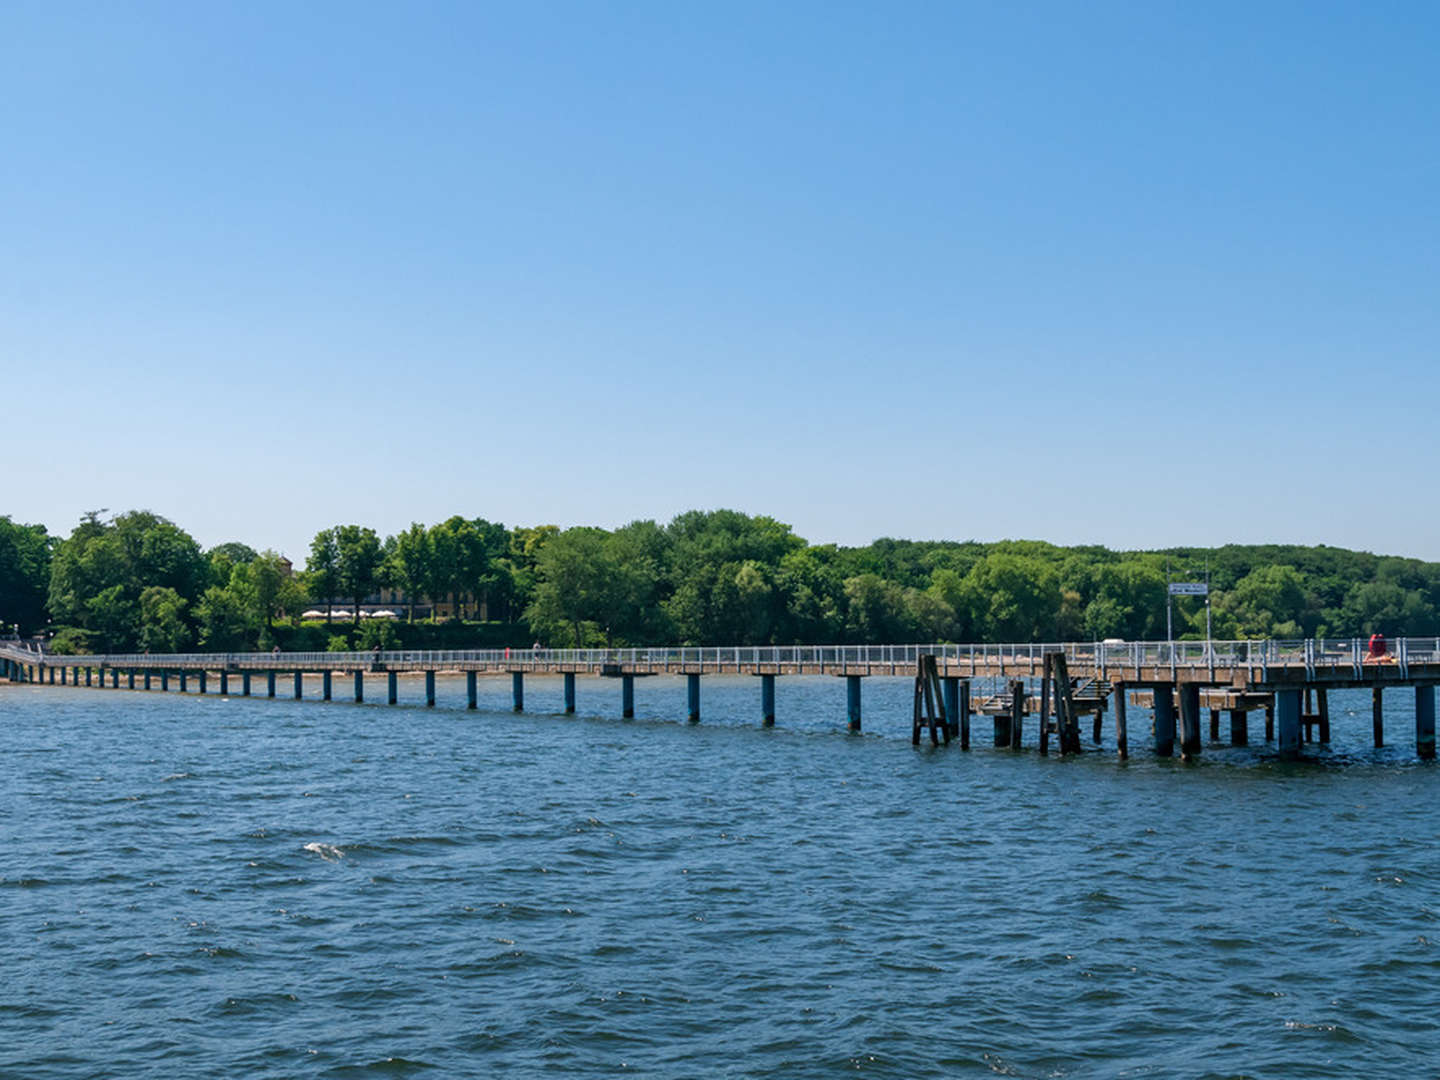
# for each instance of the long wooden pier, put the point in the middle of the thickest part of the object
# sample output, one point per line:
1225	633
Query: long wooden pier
1179	679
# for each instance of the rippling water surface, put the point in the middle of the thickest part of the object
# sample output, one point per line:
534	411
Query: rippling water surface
244	887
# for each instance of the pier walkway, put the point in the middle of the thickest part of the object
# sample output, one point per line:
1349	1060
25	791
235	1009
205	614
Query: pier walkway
1282	677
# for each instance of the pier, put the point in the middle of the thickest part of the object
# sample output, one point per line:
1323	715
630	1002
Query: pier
1057	684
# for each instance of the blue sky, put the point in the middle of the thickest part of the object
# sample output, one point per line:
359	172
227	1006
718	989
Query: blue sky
1134	274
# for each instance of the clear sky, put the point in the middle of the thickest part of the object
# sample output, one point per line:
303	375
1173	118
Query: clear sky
1137	274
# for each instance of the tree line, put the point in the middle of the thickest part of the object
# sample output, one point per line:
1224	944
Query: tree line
139	582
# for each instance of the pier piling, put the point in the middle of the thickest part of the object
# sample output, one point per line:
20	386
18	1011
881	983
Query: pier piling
1164	697
1425	722
1190	721
472	695
430	690
627	696
1287	721
325	686
392	687
359	687
1239	727
569	680
767	700
692	697
852	701
1122	733
517	690
1377	716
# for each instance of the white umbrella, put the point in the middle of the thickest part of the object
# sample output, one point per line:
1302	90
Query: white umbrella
383	613
313	614
342	614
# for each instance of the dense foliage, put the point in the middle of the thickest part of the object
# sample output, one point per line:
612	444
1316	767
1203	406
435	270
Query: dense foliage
138	581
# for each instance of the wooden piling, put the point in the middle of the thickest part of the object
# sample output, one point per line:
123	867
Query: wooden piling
1239	727
1214	725
1122	734
1270	722
1067	723
1322	699
964	714
1017	714
1189	721
1046	678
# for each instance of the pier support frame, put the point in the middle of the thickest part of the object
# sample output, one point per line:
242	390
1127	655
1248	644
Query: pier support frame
1322	700
1164	721
1425	722
692	697
130	679
146	679
767	700
627	696
852	702
1287	721
569	680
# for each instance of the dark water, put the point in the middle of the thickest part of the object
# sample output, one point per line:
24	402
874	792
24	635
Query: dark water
227	888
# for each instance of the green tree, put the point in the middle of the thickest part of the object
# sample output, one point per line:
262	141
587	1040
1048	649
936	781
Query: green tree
322	578
1013	598
268	576
409	557
357	563
162	620
24	575
572	573
1268	602
223	620
98	573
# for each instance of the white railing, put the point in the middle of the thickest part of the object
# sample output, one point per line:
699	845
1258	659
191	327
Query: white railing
1312	655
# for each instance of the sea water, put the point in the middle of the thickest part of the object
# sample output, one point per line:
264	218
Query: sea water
228	887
